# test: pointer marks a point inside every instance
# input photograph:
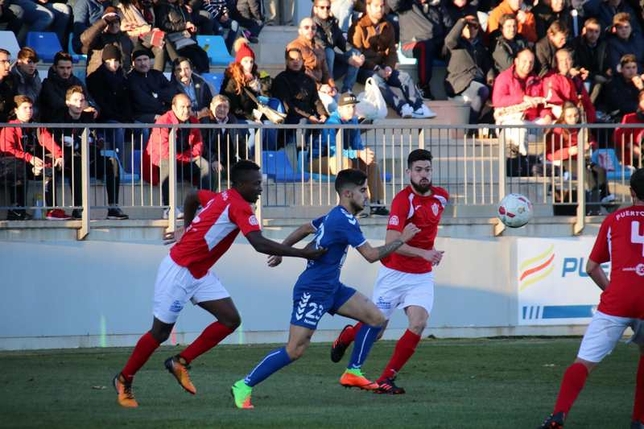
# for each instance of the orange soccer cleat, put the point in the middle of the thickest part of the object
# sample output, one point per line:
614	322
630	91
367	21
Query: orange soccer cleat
178	367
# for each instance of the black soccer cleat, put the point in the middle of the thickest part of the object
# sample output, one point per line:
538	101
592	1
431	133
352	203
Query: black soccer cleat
338	349
388	387
554	421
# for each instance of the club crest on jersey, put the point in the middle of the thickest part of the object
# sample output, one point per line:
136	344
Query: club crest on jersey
435	209
394	221
224	195
252	220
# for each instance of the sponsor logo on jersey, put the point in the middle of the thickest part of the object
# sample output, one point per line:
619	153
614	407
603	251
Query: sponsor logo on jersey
394	221
176	306
224	195
252	220
435	209
382	304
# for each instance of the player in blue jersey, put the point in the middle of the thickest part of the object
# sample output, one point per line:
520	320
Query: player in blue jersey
318	290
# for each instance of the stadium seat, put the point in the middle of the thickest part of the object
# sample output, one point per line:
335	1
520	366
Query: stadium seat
9	42
216	49
75	56
303	160
46	44
124	175
214	80
276	166
607	159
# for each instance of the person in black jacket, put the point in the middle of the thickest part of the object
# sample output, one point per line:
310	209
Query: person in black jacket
590	52
469	70
508	43
226	145
546	48
8	86
194	86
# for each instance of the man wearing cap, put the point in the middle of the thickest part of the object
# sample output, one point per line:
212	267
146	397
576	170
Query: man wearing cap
354	152
106	31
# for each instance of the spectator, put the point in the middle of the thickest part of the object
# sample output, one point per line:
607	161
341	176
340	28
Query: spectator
457	9
108	87
314	61
86	13
527	26
37	16
137	20
249	15
546	48
151	93
101	167
193	85
591	53
106	31
173	18
240	78
328	35
623	40
26	72
298	92
469	71
224	146
567	84
8	86
220	15
374	37
508	43
354	153
343	11
518	99
11	15
605	11
190	163
548	11
620	95
628	141
21	157
279	12
423	26
54	88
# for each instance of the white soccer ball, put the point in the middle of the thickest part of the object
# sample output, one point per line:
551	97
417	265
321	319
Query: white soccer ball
515	210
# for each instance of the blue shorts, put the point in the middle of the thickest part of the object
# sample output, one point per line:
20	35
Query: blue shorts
309	306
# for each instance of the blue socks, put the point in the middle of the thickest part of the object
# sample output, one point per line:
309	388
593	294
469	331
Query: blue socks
272	362
364	340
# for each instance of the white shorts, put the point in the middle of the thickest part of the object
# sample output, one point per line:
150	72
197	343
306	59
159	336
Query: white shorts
175	286
395	289
603	333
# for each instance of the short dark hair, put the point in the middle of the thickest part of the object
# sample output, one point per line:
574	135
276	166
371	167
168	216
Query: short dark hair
637	183
4	51
28	53
62	56
507	17
419	155
239	171
177	62
288	51
349	178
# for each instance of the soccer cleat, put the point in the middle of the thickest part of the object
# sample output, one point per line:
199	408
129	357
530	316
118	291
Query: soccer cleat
123	389
339	348
180	371
388	387
554	421
355	378
241	394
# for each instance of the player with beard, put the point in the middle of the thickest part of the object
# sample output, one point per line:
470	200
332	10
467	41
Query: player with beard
405	279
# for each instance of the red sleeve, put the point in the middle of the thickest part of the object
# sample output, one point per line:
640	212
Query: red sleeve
10	143
47	141
600	252
399	212
205	196
241	213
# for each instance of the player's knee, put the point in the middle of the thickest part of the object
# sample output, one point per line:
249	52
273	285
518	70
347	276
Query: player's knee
376	319
417	327
232	322
161	335
295	352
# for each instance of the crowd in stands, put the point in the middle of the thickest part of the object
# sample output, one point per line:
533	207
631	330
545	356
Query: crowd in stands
514	61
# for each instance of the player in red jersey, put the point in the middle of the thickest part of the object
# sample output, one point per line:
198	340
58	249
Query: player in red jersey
405	279
620	241
184	275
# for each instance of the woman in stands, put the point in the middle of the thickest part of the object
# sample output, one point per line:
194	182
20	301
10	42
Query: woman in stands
137	20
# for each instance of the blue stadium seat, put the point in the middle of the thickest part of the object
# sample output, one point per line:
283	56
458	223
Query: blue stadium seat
303	160
75	56
609	161
46	44
214	80
276	166
9	42
124	175
216	49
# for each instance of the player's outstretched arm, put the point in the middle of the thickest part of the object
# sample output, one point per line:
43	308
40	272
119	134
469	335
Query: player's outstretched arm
434	256
373	254
595	271
294	237
270	247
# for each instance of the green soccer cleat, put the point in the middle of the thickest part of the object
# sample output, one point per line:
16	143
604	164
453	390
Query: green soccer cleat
241	394
355	378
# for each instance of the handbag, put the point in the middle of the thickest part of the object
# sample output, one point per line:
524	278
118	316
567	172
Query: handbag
180	39
271	114
371	104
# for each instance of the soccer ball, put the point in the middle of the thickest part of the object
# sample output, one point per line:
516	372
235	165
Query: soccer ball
515	210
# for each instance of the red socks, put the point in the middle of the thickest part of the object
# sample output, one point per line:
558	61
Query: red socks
573	382
209	338
140	355
405	348
638	408
348	335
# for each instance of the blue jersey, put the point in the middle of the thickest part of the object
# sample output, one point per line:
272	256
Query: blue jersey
335	232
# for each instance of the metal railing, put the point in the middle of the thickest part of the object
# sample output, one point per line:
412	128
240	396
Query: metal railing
477	166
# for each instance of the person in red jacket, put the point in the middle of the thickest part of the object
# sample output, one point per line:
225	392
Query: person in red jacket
24	153
191	165
628	141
